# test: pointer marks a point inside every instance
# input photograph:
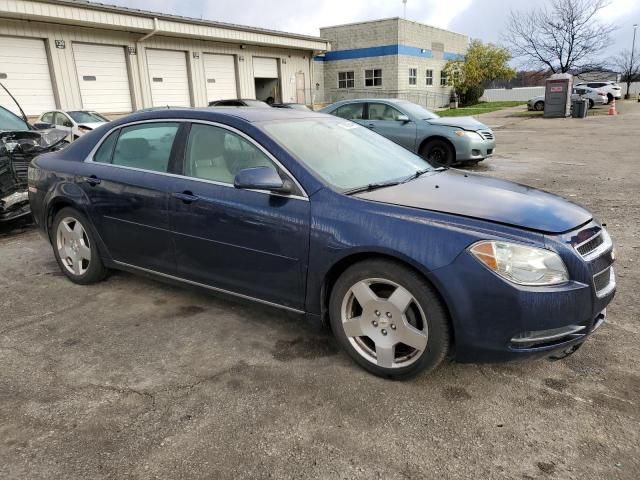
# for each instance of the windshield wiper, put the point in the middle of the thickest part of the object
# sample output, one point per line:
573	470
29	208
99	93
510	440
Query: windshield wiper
371	187
419	173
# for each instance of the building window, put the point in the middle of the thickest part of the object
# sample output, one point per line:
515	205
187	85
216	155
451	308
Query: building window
413	76
429	77
346	80
373	78
443	79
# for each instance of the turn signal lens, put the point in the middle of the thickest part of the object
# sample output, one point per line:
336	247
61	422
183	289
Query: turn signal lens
521	264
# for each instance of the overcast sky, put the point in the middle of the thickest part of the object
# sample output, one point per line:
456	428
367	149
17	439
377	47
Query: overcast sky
483	19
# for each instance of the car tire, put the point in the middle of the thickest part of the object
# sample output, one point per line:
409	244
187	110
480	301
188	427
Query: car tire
438	153
591	103
411	312
609	98
538	106
75	248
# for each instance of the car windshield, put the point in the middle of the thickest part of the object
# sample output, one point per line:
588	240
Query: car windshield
9	121
346	155
417	111
87	117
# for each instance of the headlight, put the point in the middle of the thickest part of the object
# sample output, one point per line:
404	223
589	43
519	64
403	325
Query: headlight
467	133
521	264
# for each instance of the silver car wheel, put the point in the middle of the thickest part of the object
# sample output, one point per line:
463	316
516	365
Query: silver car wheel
384	323
73	246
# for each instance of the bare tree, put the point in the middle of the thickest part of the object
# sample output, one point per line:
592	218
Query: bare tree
561	37
628	64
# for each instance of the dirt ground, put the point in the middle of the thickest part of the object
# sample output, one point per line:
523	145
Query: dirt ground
135	379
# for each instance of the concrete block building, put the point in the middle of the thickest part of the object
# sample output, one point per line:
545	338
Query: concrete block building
75	54
392	57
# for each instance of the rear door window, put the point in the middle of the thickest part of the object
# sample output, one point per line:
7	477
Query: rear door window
350	111
146	146
105	152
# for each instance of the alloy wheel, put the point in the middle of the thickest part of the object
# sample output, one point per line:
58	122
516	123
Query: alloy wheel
73	246
384	323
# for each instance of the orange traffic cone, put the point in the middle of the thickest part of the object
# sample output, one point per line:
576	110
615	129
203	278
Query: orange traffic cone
612	107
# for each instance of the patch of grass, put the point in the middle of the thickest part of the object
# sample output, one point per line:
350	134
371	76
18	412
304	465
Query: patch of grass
482	107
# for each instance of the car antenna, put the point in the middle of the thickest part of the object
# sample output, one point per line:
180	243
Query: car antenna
24	116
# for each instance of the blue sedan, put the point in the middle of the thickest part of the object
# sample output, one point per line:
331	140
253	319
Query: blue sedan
441	141
408	264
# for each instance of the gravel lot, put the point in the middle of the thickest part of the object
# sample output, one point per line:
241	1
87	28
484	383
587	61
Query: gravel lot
135	379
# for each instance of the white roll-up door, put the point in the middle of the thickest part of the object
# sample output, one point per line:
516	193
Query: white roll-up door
265	67
24	70
168	78
220	75
103	78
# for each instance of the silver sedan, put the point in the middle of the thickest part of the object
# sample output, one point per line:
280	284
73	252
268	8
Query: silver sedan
439	140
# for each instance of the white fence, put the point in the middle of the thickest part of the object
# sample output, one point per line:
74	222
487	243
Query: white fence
505	94
525	93
634	90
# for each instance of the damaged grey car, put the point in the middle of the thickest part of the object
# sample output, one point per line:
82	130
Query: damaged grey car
19	144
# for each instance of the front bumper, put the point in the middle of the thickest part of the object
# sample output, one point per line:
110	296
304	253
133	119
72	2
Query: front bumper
14	206
495	320
474	149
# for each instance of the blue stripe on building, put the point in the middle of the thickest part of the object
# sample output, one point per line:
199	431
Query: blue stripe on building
383	51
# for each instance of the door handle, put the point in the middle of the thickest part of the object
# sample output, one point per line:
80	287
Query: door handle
92	180
186	196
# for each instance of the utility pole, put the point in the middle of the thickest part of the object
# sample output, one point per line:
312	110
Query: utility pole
633	51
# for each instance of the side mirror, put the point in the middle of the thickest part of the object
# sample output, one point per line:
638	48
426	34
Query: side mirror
43	125
403	118
261	178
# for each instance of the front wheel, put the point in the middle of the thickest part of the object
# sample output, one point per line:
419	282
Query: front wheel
75	248
538	106
438	153
389	319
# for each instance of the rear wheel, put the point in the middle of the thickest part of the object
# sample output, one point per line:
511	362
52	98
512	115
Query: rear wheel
609	98
591	103
538	106
75	248
438	152
389	319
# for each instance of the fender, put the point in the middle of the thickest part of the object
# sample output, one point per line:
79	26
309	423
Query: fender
68	193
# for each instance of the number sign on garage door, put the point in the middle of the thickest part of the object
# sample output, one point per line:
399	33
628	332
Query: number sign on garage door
24	70
265	67
220	75
103	78
168	78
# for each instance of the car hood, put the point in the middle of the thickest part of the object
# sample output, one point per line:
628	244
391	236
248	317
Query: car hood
485	198
466	123
91	125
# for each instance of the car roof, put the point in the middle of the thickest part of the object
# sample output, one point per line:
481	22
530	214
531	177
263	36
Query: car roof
251	115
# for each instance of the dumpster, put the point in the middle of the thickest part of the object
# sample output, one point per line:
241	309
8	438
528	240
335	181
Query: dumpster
579	108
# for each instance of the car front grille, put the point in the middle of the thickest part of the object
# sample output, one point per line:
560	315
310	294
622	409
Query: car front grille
598	252
590	245
20	164
486	134
602	280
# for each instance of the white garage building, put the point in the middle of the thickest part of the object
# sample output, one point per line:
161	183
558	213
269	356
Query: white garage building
74	54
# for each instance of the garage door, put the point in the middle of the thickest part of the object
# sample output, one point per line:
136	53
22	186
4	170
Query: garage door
220	74
265	67
168	77
24	70
103	78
